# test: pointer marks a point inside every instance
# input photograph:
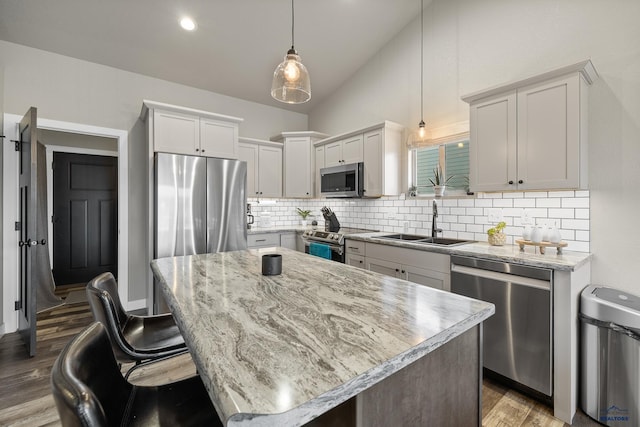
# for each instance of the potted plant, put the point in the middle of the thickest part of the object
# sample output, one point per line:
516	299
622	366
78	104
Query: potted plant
304	214
496	236
438	181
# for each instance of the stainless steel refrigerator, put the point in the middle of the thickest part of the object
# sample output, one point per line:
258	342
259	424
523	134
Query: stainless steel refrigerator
199	208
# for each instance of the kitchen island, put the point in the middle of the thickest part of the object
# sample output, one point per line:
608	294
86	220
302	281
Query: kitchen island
324	342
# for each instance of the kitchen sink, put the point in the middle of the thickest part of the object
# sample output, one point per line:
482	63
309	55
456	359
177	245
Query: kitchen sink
426	240
409	237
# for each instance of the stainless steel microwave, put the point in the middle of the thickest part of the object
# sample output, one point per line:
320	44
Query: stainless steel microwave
342	180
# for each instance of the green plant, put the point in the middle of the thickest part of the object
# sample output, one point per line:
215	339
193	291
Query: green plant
438	179
303	213
497	229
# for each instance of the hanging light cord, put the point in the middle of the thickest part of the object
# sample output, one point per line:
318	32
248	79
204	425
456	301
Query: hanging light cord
421	59
293	23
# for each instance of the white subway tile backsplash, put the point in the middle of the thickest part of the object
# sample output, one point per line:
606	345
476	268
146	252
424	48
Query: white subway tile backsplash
524	203
581	202
464	218
535	194
582	235
514	195
582	213
575	224
503	203
561	213
548	203
561	193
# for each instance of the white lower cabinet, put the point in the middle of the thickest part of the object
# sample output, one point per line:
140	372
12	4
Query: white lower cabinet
288	240
354	260
425	268
263	240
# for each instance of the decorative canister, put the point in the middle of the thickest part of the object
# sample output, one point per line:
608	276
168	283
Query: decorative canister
536	235
526	232
497	239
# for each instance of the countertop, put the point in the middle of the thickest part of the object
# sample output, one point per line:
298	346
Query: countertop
281	350
568	260
280	229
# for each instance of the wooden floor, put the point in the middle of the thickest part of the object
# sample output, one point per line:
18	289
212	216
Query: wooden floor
25	397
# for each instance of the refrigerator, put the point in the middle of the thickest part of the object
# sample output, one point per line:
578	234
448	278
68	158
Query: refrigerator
200	205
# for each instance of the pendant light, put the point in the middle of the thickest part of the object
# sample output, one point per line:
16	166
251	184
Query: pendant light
421	125
291	82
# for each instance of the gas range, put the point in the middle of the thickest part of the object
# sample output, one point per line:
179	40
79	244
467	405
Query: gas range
331	237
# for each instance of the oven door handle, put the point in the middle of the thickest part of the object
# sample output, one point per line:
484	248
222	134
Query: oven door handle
338	249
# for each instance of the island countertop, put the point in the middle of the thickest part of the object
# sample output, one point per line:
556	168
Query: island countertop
281	350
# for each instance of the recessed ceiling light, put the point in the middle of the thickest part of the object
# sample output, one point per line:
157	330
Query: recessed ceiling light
188	24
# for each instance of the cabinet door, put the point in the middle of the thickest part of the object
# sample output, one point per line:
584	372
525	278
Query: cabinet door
422	276
319	165
373	172
297	165
383	267
175	133
492	150
249	153
333	154
352	149
549	135
218	139
354	260
270	172
288	240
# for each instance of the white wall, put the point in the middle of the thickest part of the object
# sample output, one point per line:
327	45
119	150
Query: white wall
471	45
71	90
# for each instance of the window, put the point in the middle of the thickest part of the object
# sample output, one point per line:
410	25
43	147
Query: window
452	155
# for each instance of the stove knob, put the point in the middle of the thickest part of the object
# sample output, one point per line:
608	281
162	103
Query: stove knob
330	236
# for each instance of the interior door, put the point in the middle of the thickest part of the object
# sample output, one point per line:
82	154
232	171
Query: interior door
26	304
85	215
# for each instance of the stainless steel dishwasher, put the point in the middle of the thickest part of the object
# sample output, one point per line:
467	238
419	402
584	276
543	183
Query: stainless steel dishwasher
518	338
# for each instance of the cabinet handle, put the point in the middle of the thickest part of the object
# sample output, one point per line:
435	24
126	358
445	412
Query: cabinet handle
510	182
360	261
257	192
307	193
261	240
521	182
197	149
402	271
203	150
261	192
397	270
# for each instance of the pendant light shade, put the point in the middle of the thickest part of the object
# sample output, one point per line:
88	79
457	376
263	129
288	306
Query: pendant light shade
291	83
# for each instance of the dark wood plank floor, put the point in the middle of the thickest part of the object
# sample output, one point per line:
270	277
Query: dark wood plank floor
26	400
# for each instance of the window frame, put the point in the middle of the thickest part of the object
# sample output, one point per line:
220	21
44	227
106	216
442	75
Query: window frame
441	143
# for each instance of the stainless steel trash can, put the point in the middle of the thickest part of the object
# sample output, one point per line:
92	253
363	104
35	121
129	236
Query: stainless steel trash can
610	368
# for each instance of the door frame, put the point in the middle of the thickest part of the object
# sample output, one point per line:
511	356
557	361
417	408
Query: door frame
70	150
10	211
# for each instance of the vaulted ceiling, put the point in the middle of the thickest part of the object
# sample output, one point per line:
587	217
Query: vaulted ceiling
235	49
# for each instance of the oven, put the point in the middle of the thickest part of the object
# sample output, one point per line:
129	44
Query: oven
334	240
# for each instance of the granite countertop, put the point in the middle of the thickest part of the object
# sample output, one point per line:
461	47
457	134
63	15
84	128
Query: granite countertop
568	260
282	350
280	229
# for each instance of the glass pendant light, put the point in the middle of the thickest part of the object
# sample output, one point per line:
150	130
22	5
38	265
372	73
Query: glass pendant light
291	82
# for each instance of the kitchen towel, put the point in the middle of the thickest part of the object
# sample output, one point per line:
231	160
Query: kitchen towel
319	249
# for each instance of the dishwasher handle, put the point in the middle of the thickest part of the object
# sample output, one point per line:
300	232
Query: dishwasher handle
502	277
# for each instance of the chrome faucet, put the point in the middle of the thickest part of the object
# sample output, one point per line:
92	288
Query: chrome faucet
434	226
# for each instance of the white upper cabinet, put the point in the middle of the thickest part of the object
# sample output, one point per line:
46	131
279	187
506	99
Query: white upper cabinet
218	139
299	162
531	134
379	147
345	151
264	167
182	130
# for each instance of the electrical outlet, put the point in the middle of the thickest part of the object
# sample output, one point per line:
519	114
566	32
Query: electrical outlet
526	217
495	215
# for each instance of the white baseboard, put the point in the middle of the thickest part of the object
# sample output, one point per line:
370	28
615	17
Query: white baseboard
1	331
137	304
